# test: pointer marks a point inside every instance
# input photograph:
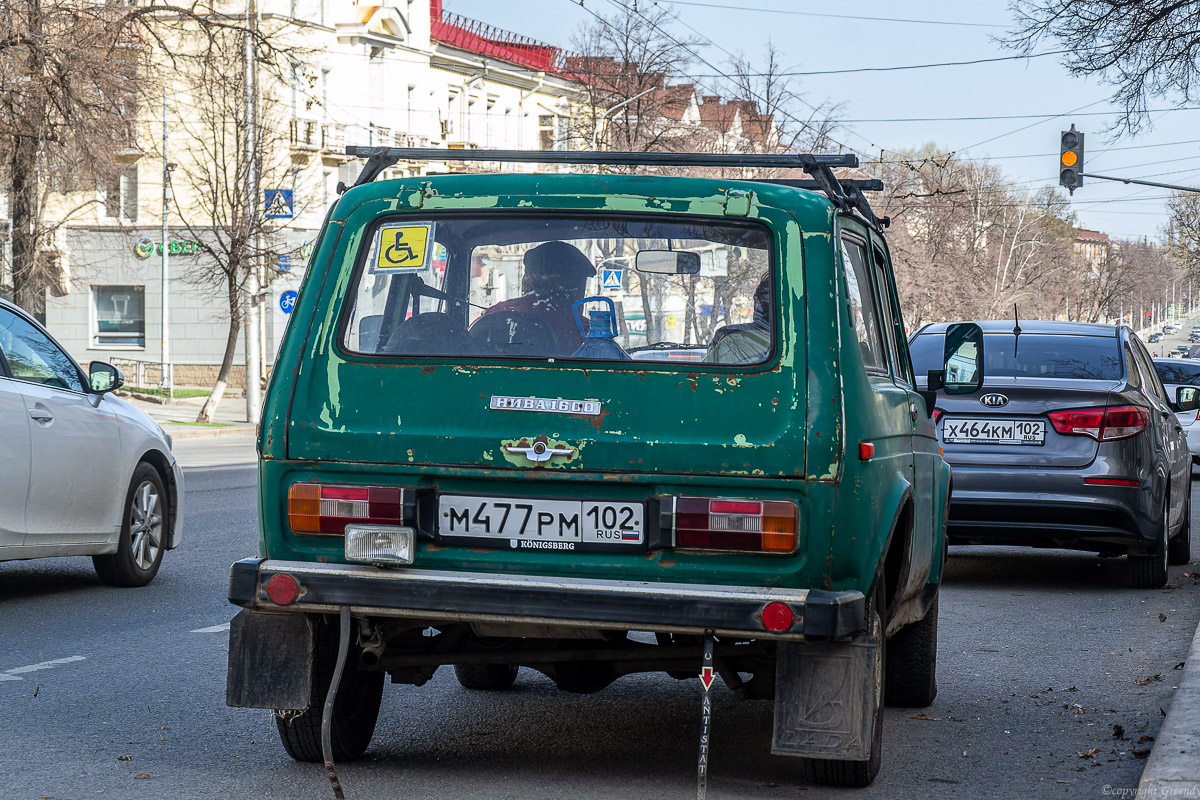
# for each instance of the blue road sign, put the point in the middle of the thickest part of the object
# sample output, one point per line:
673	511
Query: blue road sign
278	203
287	301
611	278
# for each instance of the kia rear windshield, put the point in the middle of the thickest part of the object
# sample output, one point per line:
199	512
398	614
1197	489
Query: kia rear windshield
1030	355
565	288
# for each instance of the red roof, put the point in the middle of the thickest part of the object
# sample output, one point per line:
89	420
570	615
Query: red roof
478	37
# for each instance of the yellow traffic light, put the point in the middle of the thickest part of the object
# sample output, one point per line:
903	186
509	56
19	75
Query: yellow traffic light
1069	158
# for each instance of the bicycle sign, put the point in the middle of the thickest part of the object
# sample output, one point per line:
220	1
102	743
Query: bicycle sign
287	301
403	248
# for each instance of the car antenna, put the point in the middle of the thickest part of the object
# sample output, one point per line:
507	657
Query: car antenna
1016	329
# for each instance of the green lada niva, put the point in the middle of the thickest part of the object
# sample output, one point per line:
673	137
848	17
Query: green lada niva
592	425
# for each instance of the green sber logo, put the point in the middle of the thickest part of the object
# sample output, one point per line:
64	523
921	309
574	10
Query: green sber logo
144	248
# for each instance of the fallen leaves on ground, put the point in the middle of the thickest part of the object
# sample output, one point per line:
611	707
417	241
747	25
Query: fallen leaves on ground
926	716
1151	679
141	775
1090	753
1118	731
1141	753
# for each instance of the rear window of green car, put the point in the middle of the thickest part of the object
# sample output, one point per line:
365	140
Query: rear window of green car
505	286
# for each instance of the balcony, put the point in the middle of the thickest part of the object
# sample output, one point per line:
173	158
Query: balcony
303	135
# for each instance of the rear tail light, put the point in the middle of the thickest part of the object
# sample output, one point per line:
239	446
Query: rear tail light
763	526
937	414
316	508
1103	425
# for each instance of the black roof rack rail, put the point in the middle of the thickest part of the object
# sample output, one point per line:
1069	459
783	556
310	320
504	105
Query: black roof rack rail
846	195
612	157
866	185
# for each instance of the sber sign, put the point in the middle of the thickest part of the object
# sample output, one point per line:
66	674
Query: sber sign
145	247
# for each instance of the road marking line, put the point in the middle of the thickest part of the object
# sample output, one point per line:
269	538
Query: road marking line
213	629
13	674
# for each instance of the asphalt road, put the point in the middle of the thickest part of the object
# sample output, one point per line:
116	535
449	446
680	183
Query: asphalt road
1044	658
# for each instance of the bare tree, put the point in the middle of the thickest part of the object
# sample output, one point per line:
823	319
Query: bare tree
68	86
965	246
633	77
1144	48
776	116
213	201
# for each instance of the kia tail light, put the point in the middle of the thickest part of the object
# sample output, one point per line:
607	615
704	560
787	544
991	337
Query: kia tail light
1101	424
325	509
756	526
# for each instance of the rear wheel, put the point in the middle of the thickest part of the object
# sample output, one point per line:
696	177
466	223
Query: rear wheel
1149	570
355	709
1179	549
837	772
912	663
486	676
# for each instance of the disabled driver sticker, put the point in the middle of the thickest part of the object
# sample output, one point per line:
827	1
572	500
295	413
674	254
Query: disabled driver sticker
403	248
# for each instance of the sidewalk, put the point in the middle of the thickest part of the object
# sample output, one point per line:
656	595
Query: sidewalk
1174	766
178	417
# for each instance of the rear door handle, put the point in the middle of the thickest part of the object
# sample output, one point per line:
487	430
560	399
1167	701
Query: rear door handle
41	415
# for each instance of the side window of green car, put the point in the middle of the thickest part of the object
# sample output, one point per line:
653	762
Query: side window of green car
864	311
893	321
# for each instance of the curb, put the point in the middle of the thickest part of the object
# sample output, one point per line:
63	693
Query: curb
178	431
1174	766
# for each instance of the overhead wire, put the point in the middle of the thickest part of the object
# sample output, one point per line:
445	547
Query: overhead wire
854	17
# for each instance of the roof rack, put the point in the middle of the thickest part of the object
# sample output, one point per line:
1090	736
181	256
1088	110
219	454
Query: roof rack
846	195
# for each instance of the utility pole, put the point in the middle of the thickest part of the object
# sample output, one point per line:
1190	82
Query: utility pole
250	329
166	379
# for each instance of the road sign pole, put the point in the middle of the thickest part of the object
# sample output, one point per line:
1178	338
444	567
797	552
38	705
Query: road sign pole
166	380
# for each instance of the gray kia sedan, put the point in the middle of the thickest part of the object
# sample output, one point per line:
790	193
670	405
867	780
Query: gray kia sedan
1073	443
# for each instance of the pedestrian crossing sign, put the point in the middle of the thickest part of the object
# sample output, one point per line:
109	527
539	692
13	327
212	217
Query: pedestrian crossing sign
611	278
403	248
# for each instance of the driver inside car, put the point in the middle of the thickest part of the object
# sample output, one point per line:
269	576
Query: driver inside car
555	276
747	343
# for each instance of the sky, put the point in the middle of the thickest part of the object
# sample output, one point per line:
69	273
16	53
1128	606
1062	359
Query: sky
868	33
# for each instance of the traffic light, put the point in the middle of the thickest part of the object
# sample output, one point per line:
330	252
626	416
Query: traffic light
1070	160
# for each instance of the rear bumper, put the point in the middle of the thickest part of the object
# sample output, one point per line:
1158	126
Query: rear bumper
433	597
1045	508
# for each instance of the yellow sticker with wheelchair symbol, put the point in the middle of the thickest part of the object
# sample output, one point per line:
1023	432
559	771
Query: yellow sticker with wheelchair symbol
403	248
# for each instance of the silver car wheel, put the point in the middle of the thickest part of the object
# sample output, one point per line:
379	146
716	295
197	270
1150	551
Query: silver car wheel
145	525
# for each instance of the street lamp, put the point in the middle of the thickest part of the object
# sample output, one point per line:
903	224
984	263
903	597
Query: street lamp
605	115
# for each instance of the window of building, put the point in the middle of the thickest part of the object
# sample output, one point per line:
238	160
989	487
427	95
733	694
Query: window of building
120	316
121	195
546	138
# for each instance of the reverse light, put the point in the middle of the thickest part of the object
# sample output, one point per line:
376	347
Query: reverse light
1103	425
763	526
383	545
322	509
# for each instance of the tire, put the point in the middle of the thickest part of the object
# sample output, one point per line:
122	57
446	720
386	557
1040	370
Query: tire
486	676
1149	571
836	772
1179	549
145	523
354	711
911	674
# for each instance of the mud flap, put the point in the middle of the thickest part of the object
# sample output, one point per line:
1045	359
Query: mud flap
827	696
270	661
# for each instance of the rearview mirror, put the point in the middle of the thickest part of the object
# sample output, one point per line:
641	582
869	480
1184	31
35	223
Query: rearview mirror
667	262
104	377
963	358
1187	398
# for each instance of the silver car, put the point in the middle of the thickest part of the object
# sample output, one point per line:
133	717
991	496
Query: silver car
1174	373
85	473
1073	442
